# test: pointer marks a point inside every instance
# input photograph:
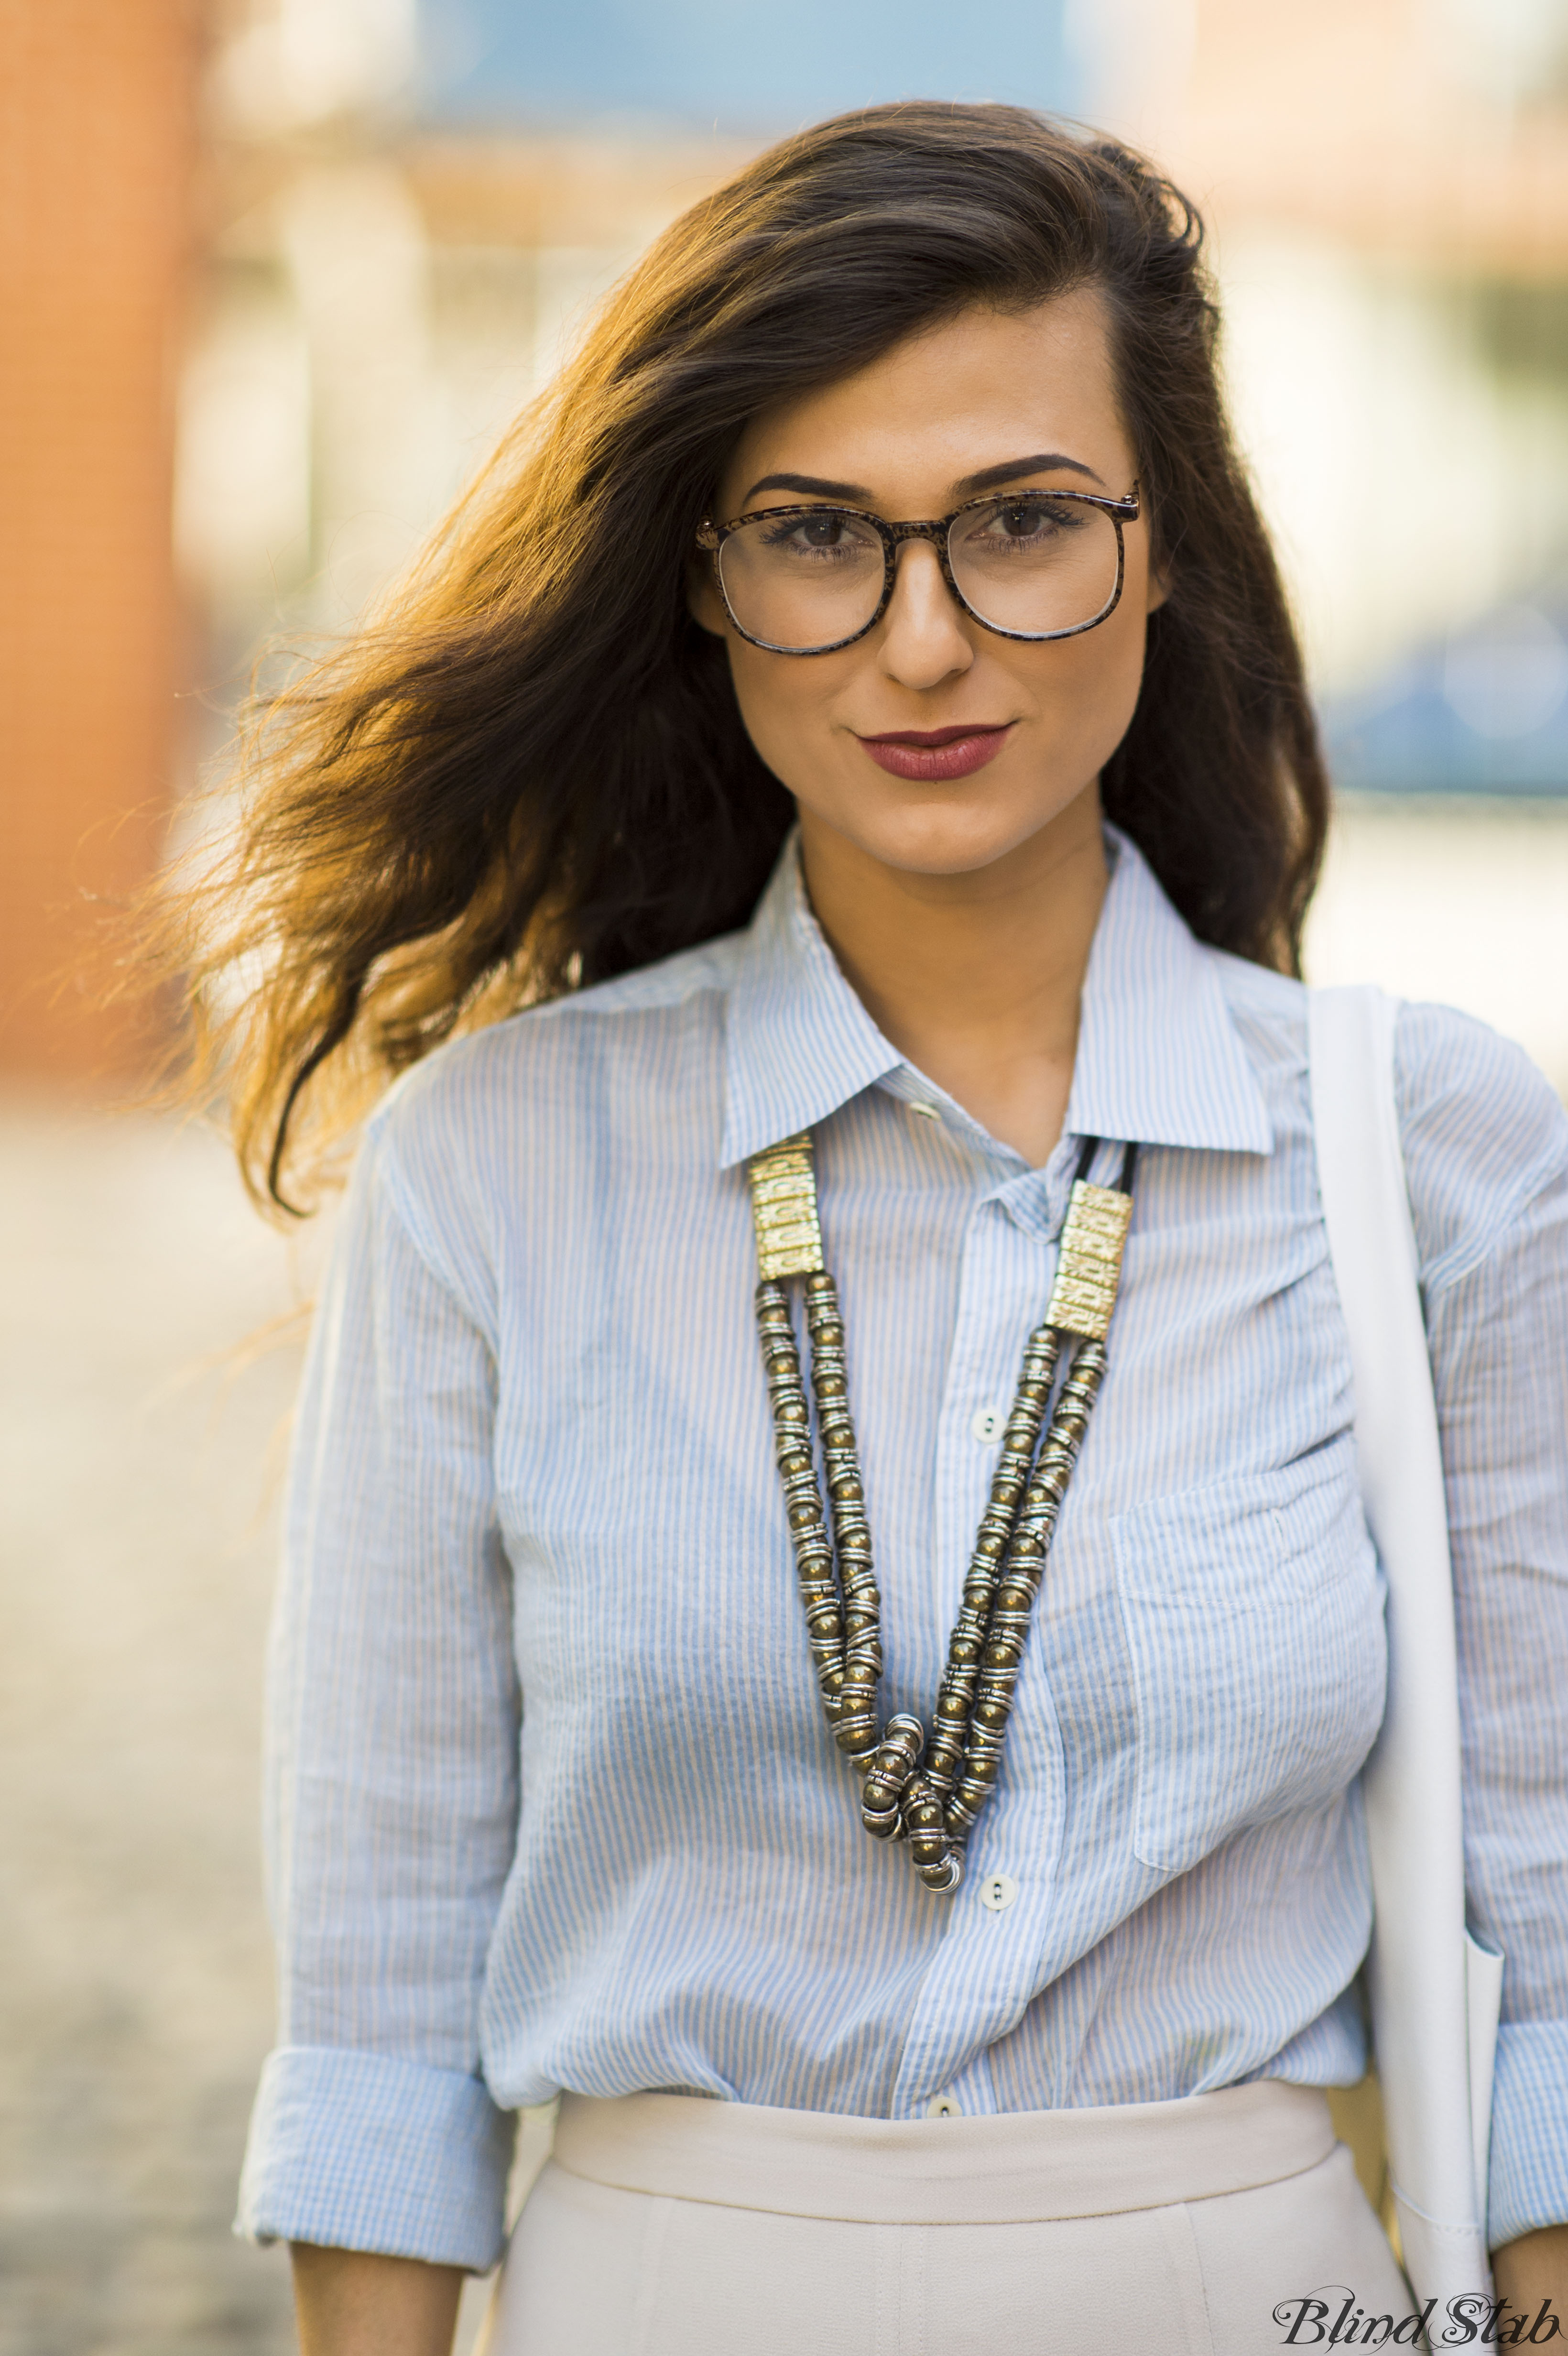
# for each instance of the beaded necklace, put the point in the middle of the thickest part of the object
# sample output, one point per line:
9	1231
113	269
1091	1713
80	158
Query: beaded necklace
927	1791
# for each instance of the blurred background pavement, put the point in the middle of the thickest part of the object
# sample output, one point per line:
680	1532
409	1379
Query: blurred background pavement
274	275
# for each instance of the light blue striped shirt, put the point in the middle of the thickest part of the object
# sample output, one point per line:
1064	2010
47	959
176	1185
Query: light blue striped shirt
552	1801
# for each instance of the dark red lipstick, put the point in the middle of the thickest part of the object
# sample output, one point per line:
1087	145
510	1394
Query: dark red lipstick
934	754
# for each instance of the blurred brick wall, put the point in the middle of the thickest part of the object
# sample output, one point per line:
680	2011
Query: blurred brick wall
96	136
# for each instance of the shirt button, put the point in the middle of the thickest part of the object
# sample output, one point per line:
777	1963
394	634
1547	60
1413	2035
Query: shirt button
927	1112
988	1423
997	1892
943	2106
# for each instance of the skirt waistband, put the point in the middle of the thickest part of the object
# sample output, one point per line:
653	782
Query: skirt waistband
1018	2167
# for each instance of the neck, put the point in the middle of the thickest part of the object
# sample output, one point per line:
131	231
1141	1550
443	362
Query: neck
977	978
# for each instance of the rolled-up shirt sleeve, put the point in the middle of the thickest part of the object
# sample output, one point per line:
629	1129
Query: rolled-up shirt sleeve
1487	1148
392	1759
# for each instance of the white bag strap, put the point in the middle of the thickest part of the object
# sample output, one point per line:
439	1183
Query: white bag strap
1425	1978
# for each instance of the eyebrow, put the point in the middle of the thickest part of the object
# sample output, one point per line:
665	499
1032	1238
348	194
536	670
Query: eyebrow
989	478
813	486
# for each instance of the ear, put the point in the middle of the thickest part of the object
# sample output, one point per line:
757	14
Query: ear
703	601
1159	588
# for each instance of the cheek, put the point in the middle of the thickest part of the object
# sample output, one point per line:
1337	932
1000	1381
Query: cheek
784	701
1087	687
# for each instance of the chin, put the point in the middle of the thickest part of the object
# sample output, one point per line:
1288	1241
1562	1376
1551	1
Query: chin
943	851
950	839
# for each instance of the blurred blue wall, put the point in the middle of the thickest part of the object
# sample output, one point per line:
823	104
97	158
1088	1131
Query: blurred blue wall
737	66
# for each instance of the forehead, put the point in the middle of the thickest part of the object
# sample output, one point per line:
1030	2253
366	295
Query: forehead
974	390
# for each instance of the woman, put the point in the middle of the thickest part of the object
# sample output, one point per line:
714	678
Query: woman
863	734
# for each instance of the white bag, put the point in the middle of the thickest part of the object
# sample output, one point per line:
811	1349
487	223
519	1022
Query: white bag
1434	1992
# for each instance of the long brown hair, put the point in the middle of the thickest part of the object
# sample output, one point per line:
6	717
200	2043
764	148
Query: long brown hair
529	772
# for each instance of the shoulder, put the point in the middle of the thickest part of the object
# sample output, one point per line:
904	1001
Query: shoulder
1483	1135
525	1107
1484	1132
577	1041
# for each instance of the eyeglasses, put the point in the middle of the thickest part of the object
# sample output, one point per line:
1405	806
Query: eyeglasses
1030	565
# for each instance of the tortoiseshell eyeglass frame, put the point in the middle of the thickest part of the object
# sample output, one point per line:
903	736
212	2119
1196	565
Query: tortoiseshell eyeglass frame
711	537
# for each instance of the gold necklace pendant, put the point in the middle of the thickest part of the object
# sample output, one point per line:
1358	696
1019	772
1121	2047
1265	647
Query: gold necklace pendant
927	1791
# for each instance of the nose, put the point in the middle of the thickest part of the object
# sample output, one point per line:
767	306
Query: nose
924	635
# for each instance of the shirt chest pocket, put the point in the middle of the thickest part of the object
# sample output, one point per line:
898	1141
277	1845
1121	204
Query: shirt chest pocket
1253	1613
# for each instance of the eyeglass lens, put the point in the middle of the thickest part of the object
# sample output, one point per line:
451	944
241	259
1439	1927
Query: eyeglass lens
1034	565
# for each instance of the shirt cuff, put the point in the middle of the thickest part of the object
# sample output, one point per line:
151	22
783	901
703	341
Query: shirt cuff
356	2151
1529	2171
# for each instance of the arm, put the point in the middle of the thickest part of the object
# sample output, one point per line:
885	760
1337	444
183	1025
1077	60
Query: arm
392	1743
1487	1148
1533	2268
352	2305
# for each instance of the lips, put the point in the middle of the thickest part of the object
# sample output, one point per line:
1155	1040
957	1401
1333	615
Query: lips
938	753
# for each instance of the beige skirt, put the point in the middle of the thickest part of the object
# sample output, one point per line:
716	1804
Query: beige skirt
665	2225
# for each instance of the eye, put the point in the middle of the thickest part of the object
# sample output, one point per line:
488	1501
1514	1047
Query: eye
1034	525
1032	518
805	532
824	536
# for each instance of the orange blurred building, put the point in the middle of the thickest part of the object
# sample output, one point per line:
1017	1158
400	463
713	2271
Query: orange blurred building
96	140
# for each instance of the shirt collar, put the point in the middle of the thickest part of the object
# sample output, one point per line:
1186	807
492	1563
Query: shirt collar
799	1043
1160	1061
1158	1057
